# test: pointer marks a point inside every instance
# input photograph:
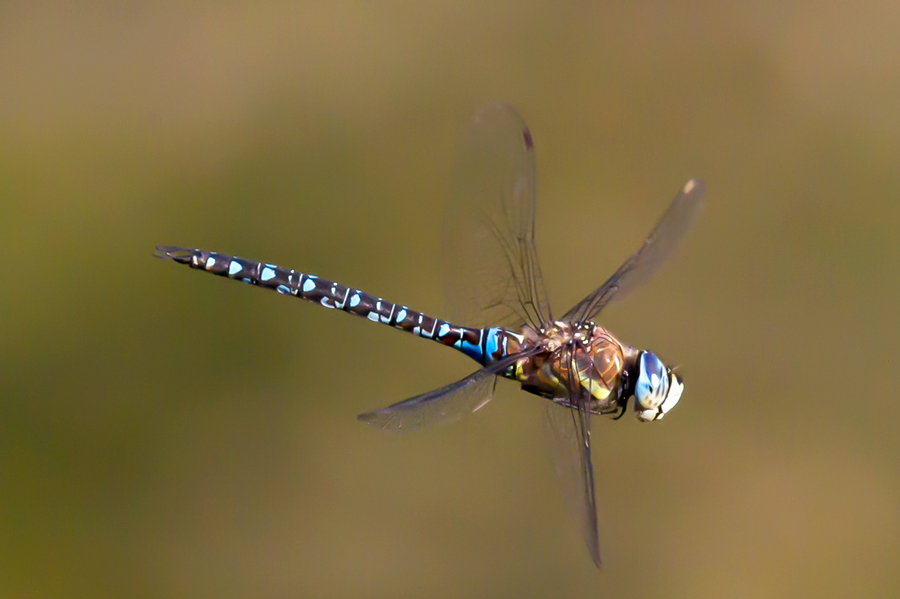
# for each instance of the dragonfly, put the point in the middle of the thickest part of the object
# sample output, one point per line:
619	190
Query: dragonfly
500	315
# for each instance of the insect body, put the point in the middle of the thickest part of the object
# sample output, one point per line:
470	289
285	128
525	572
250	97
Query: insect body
494	288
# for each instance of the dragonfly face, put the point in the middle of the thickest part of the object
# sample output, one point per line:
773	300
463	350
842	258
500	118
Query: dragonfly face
657	389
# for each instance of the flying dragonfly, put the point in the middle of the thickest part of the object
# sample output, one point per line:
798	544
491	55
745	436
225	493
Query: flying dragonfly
500	314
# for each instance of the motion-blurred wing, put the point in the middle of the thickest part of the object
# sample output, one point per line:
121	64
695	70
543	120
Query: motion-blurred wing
444	405
492	276
662	241
567	428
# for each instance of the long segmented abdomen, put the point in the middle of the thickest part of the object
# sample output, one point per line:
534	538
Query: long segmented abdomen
483	345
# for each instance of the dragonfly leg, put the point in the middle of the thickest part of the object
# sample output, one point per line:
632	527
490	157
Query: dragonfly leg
613	409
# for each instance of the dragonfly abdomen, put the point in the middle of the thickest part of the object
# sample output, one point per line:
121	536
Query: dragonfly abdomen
483	345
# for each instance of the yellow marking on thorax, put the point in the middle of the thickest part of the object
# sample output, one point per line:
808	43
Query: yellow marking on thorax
595	388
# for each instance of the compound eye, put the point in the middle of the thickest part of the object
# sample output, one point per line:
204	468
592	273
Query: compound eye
652	383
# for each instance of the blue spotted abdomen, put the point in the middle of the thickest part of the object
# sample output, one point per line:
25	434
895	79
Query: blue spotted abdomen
482	345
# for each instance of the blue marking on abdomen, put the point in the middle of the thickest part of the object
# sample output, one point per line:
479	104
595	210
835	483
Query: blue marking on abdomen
492	344
473	350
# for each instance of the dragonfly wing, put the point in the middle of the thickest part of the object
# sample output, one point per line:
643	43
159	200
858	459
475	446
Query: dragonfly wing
568	437
675	223
492	276
567	428
441	406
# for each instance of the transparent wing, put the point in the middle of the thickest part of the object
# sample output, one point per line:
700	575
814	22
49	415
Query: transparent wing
567	429
441	406
492	276
659	245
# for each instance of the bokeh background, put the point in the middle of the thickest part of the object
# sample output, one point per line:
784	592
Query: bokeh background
165	433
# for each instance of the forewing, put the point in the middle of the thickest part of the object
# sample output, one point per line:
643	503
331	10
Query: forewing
441	406
567	428
492	276
675	223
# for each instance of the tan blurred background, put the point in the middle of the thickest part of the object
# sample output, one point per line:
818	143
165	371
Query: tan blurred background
168	434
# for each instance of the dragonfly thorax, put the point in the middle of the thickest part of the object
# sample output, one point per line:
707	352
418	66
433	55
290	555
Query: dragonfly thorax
579	362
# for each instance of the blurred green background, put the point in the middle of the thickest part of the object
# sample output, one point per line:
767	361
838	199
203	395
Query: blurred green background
164	433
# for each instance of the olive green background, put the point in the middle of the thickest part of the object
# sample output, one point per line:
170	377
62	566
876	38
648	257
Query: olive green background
165	433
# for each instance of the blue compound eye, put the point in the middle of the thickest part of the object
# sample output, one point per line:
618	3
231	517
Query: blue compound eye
652	383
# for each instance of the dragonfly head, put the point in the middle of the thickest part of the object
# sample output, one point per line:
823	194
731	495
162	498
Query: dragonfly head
657	388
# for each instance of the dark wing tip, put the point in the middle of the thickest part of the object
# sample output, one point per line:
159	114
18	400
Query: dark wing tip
529	141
